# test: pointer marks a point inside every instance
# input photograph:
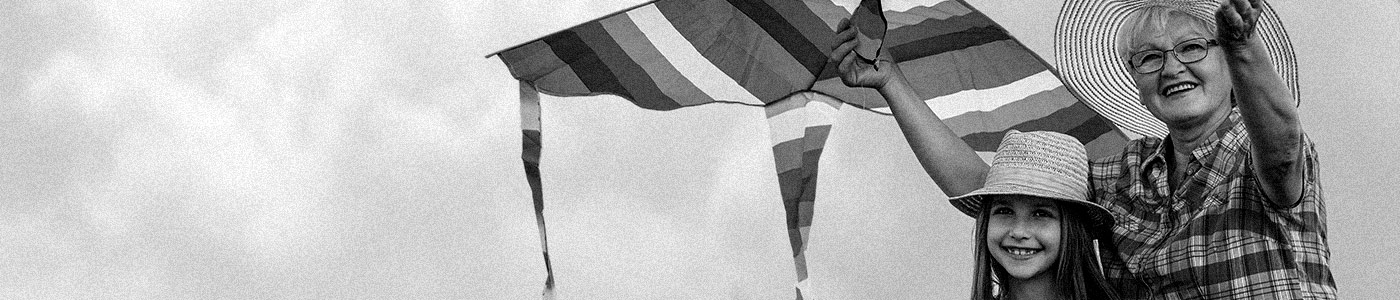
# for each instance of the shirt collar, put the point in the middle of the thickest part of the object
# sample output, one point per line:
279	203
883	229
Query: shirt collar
1158	155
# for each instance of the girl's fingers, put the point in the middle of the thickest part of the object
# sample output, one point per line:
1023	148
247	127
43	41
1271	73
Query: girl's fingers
848	62
847	33
842	49
846	42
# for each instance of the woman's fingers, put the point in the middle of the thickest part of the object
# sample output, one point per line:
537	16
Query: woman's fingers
1229	14
1236	19
1255	10
1242	11
1246	12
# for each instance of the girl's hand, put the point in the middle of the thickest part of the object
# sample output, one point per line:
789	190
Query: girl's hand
856	71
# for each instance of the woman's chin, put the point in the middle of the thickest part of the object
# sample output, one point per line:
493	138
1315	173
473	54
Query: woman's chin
1185	112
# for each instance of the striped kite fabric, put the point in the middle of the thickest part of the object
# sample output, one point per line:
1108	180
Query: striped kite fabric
675	53
869	21
799	126
671	54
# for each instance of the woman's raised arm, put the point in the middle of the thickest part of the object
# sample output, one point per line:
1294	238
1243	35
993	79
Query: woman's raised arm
1266	106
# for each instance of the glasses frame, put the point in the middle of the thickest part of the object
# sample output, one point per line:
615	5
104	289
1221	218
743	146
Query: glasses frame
1176	54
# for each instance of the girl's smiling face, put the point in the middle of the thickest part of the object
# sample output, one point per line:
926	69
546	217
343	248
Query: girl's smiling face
1023	234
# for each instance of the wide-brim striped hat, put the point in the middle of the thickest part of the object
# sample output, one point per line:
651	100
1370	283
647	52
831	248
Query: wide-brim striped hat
1087	56
1043	164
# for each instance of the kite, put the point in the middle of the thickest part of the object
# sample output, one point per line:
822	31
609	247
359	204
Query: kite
672	54
869	22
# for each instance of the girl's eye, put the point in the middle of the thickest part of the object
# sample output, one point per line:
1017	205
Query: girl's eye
1042	214
1002	211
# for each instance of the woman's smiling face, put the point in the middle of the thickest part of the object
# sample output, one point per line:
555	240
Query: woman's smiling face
1023	234
1180	94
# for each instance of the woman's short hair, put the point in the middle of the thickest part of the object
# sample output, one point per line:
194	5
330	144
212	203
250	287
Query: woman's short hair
1158	15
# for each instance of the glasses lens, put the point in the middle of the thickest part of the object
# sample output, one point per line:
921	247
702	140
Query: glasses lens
1147	61
1191	51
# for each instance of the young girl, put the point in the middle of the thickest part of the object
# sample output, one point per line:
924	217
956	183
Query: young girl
1035	226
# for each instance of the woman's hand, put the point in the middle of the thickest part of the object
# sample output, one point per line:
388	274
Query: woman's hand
1235	23
857	71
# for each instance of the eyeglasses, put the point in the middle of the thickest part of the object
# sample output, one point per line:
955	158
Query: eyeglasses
1189	51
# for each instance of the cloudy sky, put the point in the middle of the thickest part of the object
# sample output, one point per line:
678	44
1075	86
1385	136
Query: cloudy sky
367	149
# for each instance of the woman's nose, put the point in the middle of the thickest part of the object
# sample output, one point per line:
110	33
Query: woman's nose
1172	64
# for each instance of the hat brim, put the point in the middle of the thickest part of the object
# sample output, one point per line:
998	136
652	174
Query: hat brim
970	204
1087	59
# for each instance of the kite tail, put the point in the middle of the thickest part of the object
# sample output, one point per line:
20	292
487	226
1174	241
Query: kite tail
530	155
799	127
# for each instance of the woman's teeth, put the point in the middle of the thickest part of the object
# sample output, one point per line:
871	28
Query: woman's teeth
1179	87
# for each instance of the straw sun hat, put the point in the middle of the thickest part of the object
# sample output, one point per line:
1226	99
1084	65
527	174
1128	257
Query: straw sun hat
1087	56
1043	164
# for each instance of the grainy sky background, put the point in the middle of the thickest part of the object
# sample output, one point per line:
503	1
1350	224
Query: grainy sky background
366	149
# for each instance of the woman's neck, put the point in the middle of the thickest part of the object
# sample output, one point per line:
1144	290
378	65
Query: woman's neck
1042	286
1187	137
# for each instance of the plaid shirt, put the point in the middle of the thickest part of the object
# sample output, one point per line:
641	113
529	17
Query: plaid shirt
1217	236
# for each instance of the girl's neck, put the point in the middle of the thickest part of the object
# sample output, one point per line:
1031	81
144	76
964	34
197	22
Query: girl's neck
1041	286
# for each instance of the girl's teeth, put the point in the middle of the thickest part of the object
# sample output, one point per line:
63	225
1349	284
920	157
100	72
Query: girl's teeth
1019	251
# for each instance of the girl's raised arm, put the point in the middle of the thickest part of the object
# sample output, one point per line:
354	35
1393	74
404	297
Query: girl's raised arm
949	161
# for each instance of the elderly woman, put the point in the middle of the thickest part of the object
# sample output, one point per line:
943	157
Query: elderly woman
1226	206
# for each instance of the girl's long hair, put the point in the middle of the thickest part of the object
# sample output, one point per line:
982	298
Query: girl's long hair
1077	271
